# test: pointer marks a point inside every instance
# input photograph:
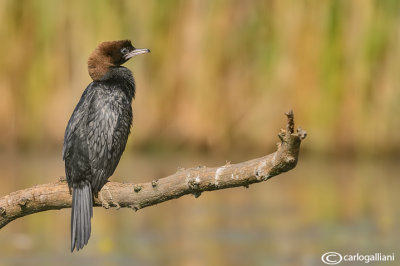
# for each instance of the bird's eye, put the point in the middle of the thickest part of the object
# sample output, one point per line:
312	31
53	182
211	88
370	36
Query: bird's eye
124	50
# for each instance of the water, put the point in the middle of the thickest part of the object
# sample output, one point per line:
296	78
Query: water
322	205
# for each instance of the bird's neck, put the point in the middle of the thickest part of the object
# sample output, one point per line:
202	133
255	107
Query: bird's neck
120	77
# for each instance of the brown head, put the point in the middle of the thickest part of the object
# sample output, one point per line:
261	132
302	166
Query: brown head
111	54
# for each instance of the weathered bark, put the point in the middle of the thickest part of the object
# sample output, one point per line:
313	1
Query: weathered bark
55	195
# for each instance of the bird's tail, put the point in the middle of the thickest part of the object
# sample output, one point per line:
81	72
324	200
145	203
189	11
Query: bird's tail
81	214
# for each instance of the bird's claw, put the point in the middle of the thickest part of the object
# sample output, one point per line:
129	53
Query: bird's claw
105	203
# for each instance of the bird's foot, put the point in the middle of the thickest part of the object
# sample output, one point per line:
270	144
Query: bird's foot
104	202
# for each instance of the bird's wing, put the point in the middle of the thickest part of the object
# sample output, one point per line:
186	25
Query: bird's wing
106	137
77	118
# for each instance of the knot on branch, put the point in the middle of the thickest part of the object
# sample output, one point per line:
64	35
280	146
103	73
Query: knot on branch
2	211
22	202
194	185
137	188
301	133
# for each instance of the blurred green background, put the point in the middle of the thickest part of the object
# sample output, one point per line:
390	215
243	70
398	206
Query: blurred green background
215	87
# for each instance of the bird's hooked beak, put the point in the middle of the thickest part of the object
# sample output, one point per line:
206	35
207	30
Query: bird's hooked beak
136	51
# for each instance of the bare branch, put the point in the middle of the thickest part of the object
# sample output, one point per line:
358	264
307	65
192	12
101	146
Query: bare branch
55	195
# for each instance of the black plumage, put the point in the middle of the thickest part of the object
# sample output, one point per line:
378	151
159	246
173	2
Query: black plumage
97	132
